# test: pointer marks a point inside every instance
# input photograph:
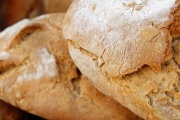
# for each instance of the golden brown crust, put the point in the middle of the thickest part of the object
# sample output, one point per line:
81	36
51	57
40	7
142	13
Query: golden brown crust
175	26
108	42
42	78
176	51
151	95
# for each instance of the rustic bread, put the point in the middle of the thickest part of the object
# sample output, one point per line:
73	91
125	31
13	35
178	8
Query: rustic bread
38	75
124	48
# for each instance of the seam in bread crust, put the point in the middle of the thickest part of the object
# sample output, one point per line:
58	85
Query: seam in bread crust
156	89
46	80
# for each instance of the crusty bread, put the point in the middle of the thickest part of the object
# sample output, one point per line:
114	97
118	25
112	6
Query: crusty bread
124	48
176	51
152	95
175	26
8	112
138	31
38	75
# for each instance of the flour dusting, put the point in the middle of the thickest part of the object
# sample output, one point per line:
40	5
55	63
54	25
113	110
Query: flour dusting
112	30
4	55
46	66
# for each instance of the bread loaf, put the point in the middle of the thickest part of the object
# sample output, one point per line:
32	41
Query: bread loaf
124	48
38	75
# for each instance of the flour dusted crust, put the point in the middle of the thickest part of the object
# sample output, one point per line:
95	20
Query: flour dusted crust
123	34
38	75
124	48
151	95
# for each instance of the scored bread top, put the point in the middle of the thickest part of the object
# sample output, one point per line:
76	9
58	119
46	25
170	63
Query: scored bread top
122	36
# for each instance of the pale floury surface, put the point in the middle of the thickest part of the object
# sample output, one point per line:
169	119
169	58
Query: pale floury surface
121	33
124	48
38	75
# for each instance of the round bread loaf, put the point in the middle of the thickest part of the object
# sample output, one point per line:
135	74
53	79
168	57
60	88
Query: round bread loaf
38	75
124	48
